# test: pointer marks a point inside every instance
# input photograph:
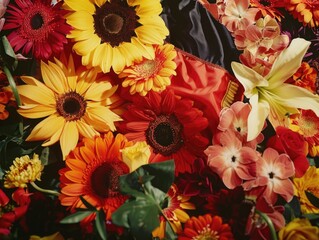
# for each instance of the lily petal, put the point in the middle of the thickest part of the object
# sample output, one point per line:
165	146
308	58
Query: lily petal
258	114
287	62
297	97
248	78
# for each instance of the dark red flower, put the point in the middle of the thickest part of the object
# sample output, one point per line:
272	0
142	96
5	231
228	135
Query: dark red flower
37	27
171	126
11	211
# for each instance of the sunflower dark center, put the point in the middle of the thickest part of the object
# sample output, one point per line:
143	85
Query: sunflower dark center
115	22
105	179
71	106
36	21
164	134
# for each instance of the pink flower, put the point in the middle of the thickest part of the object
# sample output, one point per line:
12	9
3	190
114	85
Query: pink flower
231	161
273	173
262	37
235	118
238	15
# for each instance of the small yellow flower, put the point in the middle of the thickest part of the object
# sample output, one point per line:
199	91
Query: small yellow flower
299	229
54	236
24	170
308	182
136	155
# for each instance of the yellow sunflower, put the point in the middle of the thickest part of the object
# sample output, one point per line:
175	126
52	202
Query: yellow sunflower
151	74
114	33
74	102
308	182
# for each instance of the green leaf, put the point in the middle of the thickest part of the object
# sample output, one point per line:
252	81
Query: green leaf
87	204
312	199
44	157
162	170
100	224
170	234
141	216
7	47
76	217
312	216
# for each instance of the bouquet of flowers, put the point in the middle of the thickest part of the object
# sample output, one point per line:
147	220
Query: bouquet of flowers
149	119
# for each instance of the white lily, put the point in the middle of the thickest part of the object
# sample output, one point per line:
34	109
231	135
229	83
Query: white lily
269	96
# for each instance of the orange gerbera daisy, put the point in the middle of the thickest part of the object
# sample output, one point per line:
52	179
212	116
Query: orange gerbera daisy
151	74
268	7
206	227
174	212
307	124
92	171
307	12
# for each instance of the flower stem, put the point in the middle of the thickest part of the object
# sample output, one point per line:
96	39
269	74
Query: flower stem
269	223
52	192
12	84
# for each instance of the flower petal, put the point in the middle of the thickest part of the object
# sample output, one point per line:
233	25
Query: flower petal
287	63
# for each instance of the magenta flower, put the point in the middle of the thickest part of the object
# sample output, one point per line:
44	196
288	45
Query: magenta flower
273	173
232	161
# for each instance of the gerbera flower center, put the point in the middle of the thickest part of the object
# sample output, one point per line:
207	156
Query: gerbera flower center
115	22
71	106
207	234
147	68
36	21
164	134
105	178
309	125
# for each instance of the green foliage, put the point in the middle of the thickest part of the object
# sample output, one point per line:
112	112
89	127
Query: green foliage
147	192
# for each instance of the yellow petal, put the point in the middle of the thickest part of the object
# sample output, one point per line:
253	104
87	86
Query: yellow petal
81	20
42	132
86	130
107	53
97	91
54	77
69	138
86	46
36	111
118	62
43	96
87	6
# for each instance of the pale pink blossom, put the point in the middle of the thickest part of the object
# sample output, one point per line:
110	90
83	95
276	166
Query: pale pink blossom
235	118
273	173
232	161
238	15
262	37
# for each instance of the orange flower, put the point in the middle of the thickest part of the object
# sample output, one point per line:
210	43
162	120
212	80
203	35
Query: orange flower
305	77
307	12
306	123
92	171
268	7
206	227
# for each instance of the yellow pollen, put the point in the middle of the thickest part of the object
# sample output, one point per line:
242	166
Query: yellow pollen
207	234
147	68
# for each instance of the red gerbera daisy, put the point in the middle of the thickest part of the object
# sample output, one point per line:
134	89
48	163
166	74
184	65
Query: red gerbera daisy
93	170
206	227
170	125
37	27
